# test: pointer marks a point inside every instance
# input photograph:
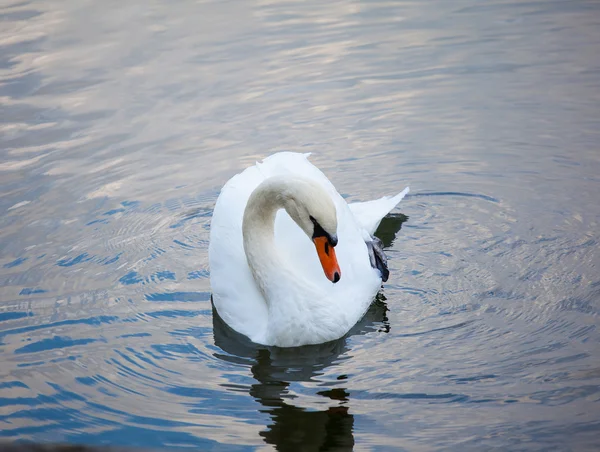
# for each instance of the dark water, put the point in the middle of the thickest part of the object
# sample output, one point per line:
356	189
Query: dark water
120	122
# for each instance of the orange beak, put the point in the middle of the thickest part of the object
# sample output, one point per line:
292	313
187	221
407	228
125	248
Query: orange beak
328	260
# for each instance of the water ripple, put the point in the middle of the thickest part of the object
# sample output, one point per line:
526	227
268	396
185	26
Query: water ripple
119	126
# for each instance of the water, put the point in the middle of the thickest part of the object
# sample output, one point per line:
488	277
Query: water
121	121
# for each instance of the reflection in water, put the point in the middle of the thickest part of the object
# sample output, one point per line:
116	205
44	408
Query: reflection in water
293	427
389	227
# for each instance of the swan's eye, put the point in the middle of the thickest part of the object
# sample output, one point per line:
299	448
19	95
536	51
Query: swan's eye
318	231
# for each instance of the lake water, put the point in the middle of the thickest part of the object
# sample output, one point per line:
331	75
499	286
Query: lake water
121	121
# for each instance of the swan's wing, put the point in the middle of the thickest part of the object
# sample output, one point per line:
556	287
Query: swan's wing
370	213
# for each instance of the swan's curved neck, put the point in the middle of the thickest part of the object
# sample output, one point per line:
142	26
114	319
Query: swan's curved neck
271	270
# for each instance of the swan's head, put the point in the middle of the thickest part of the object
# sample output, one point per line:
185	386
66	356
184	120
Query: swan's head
312	208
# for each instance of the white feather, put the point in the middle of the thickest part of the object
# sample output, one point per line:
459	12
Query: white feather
370	213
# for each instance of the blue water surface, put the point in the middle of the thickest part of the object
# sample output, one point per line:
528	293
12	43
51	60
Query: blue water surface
121	121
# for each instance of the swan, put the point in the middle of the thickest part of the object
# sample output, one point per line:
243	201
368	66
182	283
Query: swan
268	281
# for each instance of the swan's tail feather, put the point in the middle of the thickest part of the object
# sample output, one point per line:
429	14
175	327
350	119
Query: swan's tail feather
369	214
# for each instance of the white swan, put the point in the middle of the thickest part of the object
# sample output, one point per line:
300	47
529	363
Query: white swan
268	282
